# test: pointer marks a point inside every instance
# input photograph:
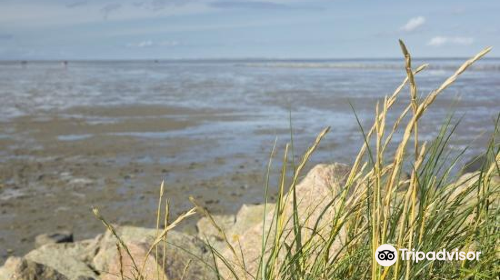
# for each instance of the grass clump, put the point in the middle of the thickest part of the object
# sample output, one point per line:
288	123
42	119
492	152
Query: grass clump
428	210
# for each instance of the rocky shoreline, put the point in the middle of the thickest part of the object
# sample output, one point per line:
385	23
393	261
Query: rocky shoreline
58	257
186	256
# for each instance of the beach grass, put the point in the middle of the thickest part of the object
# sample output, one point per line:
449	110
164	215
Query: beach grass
430	209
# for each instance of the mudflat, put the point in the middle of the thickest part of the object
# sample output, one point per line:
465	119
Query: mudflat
55	167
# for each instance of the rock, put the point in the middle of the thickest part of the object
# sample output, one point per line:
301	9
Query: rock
16	268
462	187
9	267
181	249
475	164
248	216
208	233
464	192
206	229
55	237
124	264
233	226
107	246
321	186
70	259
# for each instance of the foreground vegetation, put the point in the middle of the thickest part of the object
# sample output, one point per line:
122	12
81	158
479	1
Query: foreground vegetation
410	197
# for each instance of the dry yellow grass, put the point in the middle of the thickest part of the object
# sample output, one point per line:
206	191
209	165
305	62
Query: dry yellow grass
374	207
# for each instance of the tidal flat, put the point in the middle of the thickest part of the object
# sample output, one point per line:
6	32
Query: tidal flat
106	134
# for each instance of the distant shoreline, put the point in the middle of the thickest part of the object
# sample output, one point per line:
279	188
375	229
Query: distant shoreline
257	59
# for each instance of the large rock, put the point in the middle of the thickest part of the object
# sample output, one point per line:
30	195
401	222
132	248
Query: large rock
181	249
475	164
16	268
210	234
315	192
107	246
205	228
233	226
69	259
123	265
465	188
54	237
249	216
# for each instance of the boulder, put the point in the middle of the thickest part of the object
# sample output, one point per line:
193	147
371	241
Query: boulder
249	216
233	226
205	228
208	233
475	164
181	249
69	259
107	246
321	186
54	237
123	265
464	189
16	268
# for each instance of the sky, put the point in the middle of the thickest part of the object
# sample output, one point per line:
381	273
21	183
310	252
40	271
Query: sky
194	29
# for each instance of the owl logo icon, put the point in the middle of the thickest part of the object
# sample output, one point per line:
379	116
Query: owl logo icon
386	255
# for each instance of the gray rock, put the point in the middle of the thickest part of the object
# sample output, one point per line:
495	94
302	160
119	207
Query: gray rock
54	237
8	268
183	248
205	227
474	164
180	249
70	259
250	215
16	268
107	245
208	233
124	264
233	226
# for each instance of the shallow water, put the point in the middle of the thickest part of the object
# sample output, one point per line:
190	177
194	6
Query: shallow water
258	94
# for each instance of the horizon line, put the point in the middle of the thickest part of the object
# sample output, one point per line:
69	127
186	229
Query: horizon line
233	59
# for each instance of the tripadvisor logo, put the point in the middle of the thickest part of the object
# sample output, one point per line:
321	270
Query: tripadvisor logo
387	255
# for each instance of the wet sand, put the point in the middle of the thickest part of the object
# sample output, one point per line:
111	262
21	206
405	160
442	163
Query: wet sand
55	167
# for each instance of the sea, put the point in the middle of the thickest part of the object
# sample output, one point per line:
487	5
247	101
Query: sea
261	98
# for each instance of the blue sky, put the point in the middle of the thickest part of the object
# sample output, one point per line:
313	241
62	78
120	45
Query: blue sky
145	29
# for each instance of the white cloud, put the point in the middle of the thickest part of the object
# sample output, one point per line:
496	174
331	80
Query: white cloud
145	44
442	40
151	43
168	43
413	24
38	14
